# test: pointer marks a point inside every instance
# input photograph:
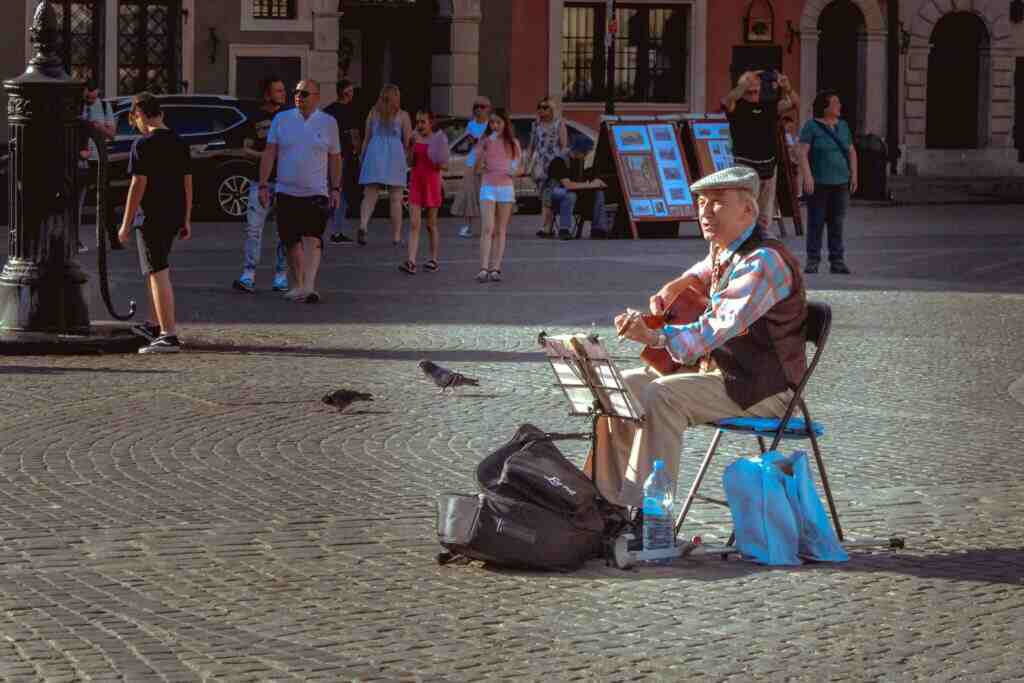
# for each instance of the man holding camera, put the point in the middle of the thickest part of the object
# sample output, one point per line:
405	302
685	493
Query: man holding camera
753	108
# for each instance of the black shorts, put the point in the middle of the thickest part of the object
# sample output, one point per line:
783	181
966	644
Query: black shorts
299	217
155	242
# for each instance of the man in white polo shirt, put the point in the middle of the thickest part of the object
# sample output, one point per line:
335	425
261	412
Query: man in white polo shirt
302	141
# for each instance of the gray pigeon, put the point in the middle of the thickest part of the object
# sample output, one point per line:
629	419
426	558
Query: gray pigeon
343	398
445	378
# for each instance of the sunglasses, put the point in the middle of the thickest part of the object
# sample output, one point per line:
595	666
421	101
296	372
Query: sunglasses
304	93
480	106
543	107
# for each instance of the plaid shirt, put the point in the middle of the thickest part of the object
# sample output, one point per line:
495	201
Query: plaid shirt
748	287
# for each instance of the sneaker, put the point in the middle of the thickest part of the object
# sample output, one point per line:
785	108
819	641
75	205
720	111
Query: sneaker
147	330
280	283
465	232
296	294
167	343
840	268
811	267
495	275
340	238
545	234
246	284
311	298
82	248
564	234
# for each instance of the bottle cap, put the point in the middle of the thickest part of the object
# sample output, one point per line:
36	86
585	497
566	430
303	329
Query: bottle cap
658	464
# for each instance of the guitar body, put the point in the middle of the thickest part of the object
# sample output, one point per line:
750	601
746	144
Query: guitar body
687	308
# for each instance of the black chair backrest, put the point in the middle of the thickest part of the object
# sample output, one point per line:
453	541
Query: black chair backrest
819	320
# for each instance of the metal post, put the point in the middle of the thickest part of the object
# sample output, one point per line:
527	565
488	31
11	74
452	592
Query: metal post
42	300
611	29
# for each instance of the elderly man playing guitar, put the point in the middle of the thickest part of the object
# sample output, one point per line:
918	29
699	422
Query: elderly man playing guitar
733	329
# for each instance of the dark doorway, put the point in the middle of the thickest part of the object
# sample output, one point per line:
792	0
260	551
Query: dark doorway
955	76
1018	108
841	57
251	70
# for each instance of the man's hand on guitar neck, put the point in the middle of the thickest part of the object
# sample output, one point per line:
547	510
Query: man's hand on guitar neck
690	284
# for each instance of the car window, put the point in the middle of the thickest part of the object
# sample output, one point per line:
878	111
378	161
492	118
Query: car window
523	128
200	120
453	128
464	145
123	126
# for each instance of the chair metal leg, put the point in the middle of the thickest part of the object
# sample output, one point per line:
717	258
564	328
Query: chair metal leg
821	470
696	482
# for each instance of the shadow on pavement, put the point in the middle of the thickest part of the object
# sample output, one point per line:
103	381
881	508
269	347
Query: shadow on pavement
989	565
34	370
466	356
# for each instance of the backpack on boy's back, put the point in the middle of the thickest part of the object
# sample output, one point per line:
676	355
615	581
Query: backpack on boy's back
536	510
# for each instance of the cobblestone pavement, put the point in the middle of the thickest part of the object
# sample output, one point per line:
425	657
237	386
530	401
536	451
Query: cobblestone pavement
204	517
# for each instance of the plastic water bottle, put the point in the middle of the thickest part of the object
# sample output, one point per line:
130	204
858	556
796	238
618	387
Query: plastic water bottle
659	492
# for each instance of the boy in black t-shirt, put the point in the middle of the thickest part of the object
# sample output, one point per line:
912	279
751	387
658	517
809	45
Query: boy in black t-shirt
161	169
572	181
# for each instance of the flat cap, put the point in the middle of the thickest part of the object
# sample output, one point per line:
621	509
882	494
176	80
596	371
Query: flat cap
732	178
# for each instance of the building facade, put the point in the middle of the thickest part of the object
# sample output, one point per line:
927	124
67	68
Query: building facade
941	80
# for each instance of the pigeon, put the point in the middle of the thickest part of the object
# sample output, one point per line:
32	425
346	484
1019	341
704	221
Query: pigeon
445	378
343	398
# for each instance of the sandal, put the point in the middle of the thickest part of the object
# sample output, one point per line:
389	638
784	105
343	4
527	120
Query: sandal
495	275
431	265
408	267
482	276
361	237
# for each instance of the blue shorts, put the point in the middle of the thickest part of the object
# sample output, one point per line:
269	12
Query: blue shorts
502	194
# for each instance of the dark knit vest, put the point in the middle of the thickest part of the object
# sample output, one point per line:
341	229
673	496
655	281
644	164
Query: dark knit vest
770	357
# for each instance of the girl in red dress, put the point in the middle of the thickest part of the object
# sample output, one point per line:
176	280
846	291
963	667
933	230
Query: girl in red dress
428	152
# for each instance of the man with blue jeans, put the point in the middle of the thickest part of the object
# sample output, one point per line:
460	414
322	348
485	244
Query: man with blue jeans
256	216
569	178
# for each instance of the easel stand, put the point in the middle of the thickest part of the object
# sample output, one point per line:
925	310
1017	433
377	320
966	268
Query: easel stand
594	388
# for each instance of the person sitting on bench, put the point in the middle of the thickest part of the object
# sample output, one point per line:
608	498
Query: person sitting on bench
572	183
740	357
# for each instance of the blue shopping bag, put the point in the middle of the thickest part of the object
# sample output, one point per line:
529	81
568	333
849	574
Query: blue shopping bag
818	540
767	530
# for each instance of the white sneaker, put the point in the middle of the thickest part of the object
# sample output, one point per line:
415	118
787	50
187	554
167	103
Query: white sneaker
296	294
465	232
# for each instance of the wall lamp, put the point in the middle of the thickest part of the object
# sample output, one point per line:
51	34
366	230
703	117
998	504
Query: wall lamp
214	44
1017	11
793	35
904	39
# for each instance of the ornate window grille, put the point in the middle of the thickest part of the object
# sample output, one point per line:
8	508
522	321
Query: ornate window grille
274	9
80	43
149	46
651	52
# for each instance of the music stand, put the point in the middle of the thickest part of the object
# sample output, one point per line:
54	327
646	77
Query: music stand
590	381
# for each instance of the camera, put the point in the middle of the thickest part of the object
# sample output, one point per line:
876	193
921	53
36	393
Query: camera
769	85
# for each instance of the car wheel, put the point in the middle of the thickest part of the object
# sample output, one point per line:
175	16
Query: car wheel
232	200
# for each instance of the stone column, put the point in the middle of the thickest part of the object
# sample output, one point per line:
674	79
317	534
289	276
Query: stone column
915	108
323	57
1000	109
808	70
455	66
874	84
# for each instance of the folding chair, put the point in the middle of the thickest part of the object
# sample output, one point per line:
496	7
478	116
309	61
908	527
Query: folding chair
786	428
583	215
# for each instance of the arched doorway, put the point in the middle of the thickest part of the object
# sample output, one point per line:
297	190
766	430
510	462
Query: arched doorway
957	83
842	57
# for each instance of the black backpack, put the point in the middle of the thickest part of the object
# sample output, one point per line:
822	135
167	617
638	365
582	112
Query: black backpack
536	510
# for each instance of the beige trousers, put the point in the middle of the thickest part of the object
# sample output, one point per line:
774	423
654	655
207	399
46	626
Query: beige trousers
626	452
766	203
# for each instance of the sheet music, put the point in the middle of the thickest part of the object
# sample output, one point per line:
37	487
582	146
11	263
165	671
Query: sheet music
587	374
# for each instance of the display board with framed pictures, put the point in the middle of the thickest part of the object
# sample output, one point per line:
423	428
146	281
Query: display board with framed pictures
653	173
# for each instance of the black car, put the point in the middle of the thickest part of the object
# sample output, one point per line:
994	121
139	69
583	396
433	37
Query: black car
215	127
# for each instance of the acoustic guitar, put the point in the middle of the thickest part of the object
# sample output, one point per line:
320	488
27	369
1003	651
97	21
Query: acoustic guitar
685	309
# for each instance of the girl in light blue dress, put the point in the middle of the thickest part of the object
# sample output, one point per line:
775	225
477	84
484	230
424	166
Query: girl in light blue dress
384	155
